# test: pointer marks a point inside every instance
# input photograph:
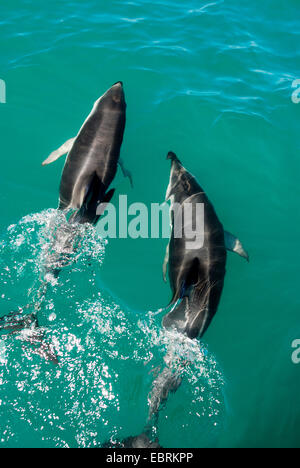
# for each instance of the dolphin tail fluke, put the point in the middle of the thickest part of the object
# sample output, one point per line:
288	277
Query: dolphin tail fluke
30	333
17	321
142	441
26	316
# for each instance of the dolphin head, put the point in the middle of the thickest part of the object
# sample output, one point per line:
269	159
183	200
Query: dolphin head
114	98
182	184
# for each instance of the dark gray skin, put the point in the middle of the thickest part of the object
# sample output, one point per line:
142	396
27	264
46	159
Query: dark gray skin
196	276
90	168
92	162
197	280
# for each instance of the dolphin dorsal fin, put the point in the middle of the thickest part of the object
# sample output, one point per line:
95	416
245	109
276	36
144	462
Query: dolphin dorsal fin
64	149
233	244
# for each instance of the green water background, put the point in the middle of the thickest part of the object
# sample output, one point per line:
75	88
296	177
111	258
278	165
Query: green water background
213	82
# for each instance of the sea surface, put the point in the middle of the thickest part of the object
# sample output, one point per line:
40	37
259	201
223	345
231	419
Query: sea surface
212	81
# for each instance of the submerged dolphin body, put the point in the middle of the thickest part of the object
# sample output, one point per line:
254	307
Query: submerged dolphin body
196	275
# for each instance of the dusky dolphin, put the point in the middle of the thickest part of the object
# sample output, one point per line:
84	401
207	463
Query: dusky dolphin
196	278
196	275
91	166
93	157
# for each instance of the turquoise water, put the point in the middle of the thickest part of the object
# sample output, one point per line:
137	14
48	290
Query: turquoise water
213	82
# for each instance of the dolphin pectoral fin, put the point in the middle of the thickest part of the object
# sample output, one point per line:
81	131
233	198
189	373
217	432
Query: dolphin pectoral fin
166	263
64	149
126	173
233	244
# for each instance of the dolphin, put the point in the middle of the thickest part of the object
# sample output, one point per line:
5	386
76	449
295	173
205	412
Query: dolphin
197	279
91	165
196	275
93	157
90	168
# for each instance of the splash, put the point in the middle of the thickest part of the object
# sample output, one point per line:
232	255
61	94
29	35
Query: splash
188	389
39	246
108	357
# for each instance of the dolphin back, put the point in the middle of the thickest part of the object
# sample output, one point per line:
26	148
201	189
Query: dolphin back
96	150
